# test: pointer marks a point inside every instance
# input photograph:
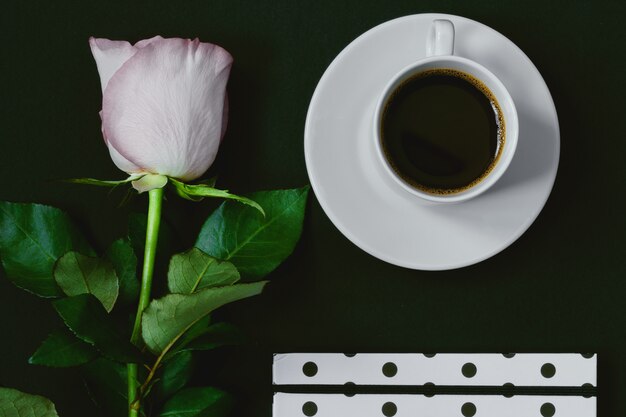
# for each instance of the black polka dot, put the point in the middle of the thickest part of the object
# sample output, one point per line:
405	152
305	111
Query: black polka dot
508	389
309	369
548	370
389	409
430	355
547	410
309	408
587	355
508	355
349	389
429	389
390	369
468	370
350	355
587	390
468	409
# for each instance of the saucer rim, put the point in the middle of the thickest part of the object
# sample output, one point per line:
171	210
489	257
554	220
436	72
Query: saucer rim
366	247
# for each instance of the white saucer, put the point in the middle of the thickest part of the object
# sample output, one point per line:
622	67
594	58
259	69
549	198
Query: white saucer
374	212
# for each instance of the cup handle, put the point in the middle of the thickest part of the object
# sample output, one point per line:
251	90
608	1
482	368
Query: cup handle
440	38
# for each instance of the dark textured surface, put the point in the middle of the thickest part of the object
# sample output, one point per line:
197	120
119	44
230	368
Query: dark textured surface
559	288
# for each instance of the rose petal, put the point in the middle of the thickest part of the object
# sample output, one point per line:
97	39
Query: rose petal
224	116
117	158
145	42
111	55
164	108
123	163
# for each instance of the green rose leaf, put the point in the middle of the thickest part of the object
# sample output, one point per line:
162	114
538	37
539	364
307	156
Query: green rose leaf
107	385
206	336
99	183
63	349
79	274
198	402
199	191
32	238
209	182
194	270
87	319
14	403
168	318
214	336
124	260
217	335
195	330
175	374
253	243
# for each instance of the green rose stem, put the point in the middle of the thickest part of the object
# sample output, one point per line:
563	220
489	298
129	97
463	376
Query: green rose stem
155	198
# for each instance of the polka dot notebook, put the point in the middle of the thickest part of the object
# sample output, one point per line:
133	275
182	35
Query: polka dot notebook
434	385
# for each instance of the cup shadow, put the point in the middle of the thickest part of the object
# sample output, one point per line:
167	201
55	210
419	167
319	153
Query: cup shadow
536	153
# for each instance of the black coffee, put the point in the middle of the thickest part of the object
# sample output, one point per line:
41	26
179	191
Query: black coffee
442	131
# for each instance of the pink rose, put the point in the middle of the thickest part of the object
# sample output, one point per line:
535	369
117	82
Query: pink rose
164	104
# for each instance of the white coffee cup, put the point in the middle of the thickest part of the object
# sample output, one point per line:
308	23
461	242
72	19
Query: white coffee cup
440	55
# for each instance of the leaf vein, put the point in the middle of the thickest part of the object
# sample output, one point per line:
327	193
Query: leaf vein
264	226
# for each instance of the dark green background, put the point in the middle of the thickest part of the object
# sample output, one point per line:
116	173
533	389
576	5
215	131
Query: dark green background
559	288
